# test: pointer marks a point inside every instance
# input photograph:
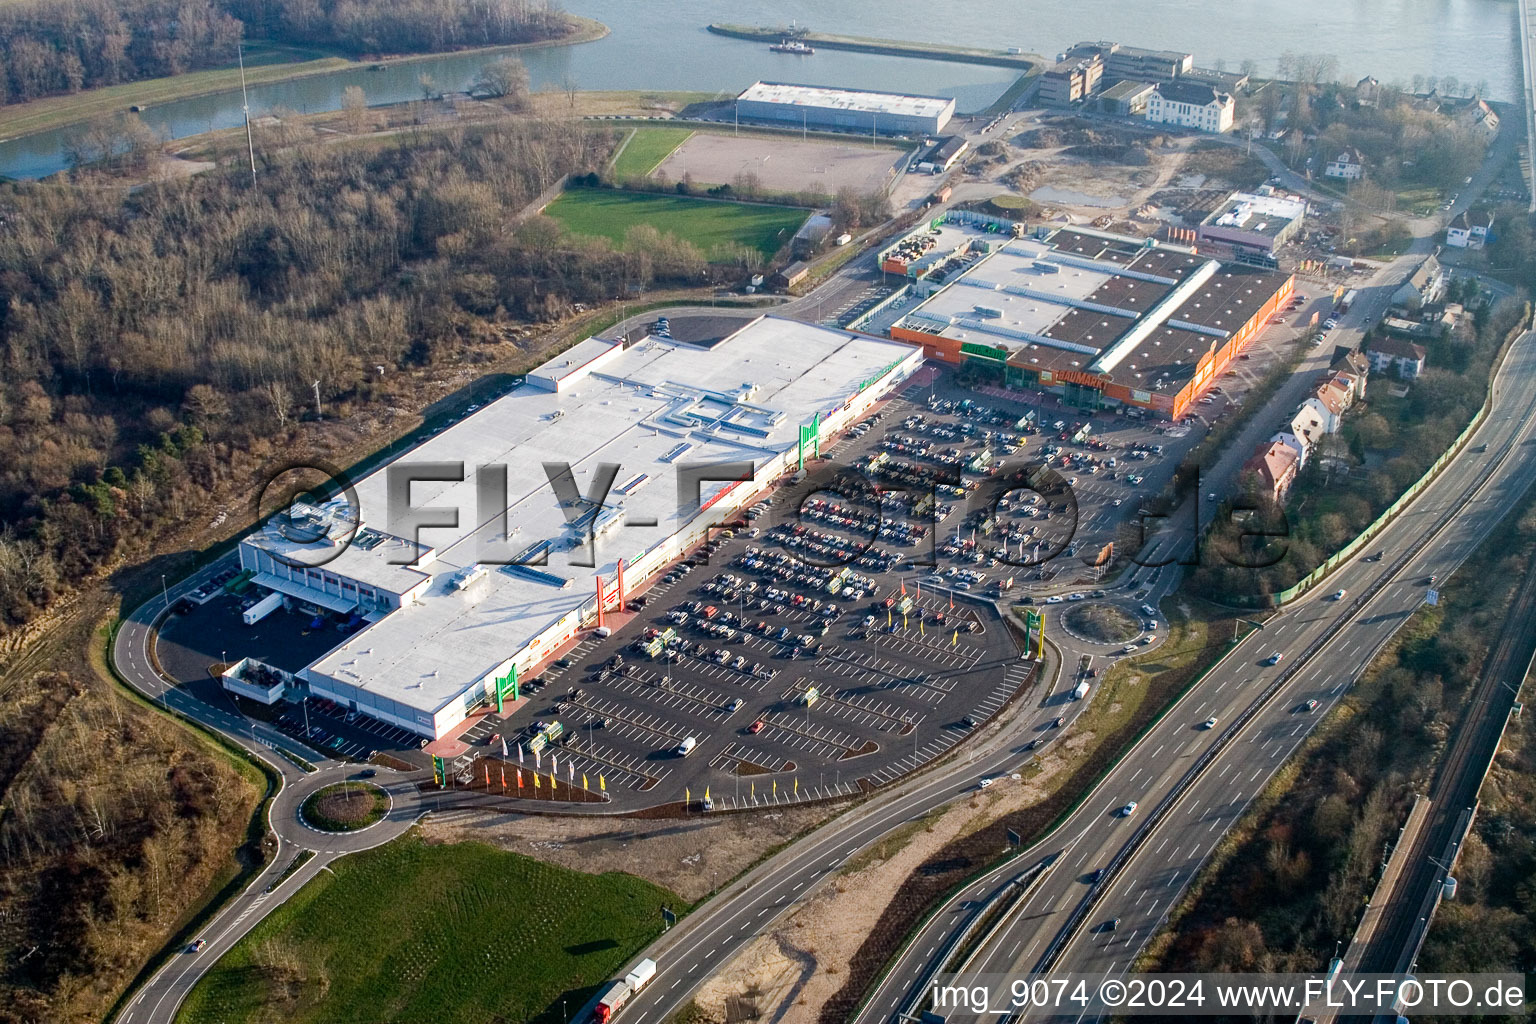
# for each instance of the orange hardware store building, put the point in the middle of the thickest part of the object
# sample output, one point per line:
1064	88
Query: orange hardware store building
1104	320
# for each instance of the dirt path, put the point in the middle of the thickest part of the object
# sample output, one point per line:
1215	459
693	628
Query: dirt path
690	856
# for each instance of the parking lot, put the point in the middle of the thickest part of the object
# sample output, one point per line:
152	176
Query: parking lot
834	639
1081	478
782	675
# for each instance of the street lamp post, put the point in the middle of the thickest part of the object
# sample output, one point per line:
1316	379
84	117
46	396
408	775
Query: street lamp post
165	594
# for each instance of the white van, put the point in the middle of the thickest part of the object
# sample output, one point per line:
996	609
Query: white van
687	747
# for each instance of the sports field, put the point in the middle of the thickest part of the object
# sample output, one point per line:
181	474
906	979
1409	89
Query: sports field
706	223
413	933
782	164
646	148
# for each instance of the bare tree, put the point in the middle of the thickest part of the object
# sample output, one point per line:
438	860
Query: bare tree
355	104
505	78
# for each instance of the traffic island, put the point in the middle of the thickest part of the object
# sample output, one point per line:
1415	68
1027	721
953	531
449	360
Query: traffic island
345	807
1101	623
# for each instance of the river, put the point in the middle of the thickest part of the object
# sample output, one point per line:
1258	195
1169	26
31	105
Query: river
662	45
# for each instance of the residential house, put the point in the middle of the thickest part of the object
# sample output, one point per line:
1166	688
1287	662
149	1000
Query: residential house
1308	423
1356	365
1469	229
1367	91
1479	116
1191	105
1329	415
1348	164
1336	400
1405	358
1274	463
1425	286
1344	383
1296	445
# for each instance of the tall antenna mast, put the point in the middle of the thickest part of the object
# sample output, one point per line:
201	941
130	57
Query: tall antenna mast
245	102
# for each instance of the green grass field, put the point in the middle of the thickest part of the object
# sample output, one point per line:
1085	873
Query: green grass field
704	222
410	933
646	148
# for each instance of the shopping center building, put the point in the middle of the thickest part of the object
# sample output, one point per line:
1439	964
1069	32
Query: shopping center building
446	625
1104	320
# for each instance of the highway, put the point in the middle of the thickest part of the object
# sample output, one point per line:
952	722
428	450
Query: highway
705	941
1150	857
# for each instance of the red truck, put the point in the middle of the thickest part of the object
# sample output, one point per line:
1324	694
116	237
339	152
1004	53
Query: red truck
618	992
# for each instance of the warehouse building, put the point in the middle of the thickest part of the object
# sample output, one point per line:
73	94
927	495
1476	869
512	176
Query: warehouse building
1103	320
448	624
1254	223
845	109
1126	99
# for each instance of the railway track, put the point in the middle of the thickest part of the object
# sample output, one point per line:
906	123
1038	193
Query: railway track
1171	800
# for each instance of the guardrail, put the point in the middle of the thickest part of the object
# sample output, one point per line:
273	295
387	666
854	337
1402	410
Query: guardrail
1165	806
1392	511
1018	887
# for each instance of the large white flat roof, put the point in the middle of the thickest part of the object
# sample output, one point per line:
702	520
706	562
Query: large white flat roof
1257	213
985	285
744	399
861	101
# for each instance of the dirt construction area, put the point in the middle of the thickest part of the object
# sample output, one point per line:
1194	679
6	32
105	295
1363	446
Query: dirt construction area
780	164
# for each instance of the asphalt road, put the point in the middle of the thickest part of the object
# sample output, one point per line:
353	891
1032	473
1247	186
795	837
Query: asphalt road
159	999
1327	642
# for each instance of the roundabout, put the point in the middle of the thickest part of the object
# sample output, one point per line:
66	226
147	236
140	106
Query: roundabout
1101	623
348	806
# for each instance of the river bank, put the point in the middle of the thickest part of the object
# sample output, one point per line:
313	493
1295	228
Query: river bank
50	113
882	47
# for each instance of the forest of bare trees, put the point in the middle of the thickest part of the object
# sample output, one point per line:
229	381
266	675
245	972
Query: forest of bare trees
62	46
113	825
156	343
